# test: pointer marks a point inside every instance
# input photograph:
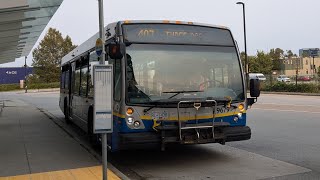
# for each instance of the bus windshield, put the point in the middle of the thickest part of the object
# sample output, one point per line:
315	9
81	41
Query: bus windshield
158	72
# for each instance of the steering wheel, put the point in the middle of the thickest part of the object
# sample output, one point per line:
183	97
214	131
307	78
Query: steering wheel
204	84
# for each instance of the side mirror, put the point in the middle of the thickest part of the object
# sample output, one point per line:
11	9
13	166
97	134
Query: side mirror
254	87
115	50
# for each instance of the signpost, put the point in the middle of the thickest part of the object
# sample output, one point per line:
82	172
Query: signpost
102	116
100	50
99	47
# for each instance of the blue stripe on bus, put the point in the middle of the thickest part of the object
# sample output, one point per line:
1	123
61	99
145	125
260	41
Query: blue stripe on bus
123	128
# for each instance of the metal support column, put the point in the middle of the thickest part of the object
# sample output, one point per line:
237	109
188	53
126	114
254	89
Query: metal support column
102	61
245	42
25	74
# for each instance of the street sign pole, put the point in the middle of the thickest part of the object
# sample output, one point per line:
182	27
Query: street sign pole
25	74
101	31
102	61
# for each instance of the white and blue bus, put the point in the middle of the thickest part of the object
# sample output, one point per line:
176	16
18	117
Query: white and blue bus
174	82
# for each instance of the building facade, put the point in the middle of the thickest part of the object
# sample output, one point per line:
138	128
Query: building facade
311	66
307	66
13	75
289	66
309	52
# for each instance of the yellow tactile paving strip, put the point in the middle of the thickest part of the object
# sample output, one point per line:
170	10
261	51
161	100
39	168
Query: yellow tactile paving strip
88	173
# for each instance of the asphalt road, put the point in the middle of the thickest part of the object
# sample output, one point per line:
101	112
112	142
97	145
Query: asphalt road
285	144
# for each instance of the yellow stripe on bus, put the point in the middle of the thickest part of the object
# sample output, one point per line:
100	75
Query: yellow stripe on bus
184	118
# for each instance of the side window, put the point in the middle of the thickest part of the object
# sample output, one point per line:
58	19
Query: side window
62	81
117	78
84	81
73	73
77	82
84	76
77	79
63	77
93	59
66	81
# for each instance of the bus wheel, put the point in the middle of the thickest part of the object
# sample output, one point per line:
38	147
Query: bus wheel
93	138
66	112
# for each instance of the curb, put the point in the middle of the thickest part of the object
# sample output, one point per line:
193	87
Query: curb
291	93
36	90
96	155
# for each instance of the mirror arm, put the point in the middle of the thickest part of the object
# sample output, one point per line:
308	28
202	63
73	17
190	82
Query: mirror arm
251	101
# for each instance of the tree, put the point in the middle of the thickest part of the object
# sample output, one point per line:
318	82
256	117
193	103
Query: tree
47	56
276	56
243	59
289	53
262	63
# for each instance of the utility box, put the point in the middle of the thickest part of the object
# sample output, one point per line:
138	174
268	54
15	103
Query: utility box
21	84
103	99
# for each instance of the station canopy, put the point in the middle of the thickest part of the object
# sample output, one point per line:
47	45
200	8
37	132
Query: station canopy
21	24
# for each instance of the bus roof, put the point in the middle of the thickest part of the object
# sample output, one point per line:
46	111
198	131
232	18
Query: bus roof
170	22
90	43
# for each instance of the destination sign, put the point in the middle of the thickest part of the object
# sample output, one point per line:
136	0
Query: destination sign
177	34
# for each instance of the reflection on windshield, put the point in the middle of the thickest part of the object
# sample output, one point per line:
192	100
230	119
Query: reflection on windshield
153	71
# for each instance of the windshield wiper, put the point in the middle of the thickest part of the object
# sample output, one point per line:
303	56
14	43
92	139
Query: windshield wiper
179	92
155	104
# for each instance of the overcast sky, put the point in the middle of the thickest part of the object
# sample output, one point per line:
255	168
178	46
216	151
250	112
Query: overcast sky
287	24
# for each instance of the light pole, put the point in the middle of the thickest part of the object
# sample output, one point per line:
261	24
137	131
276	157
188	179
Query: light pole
313	67
245	40
25	74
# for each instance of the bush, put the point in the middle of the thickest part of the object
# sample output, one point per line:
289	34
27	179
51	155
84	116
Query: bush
9	87
12	87
43	85
291	87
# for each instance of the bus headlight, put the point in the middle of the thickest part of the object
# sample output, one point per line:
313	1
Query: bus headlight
130	120
241	107
136	124
130	111
237	117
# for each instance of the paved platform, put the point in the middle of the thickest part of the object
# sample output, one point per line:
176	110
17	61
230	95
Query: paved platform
33	147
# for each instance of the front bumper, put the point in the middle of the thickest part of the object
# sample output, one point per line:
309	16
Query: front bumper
222	134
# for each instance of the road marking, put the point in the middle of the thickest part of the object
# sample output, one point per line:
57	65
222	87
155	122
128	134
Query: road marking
94	173
297	105
287	110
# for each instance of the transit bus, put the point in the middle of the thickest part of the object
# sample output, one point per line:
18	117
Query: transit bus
174	82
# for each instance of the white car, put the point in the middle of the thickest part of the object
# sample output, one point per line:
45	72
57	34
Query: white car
283	78
259	76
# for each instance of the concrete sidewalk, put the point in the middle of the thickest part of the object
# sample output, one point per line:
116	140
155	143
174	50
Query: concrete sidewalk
32	146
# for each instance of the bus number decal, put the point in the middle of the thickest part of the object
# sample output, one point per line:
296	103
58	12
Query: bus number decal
221	110
146	32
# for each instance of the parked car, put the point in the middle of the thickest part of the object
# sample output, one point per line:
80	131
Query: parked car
283	78
259	76
304	78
